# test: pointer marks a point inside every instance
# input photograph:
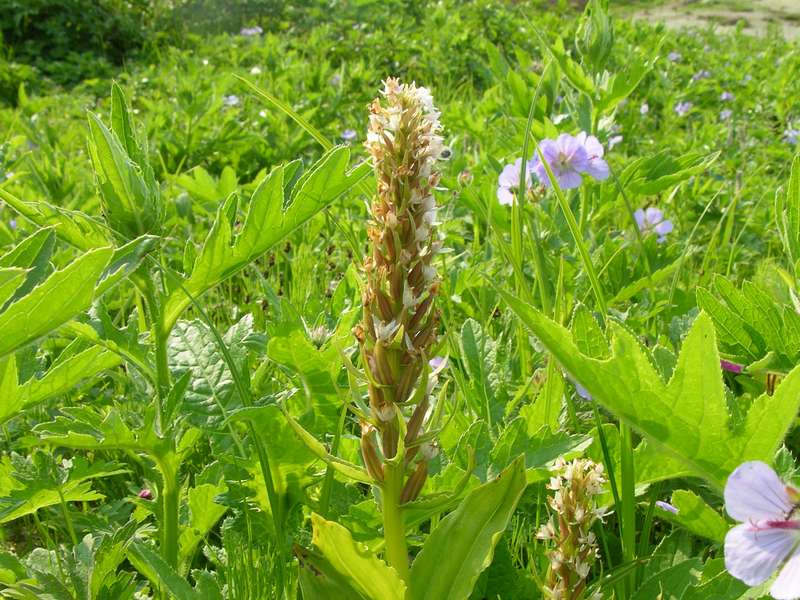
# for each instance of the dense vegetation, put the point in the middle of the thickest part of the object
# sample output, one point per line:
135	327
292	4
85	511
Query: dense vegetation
211	288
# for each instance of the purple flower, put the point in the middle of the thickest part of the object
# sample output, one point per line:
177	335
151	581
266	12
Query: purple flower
644	108
791	136
569	157
768	533
725	114
651	220
682	108
674	56
145	494
747	78
726	96
348	135
731	367
704	74
508	182
336	80
251	31
667	507
12	224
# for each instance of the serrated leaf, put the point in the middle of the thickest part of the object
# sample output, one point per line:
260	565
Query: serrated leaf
269	219
461	546
687	417
75	228
152	566
57	380
36	314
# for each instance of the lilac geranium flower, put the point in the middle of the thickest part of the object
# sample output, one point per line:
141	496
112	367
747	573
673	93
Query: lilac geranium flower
726	96
644	108
725	114
12	224
768	533
704	74
651	220
231	100
674	56
348	135
336	80
508	182
791	136
682	108
569	157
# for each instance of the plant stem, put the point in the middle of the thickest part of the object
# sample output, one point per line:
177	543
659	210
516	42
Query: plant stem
394	530
170	509
628	503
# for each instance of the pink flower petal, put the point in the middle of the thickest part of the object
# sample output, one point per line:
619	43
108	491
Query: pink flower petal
754	492
787	585
753	554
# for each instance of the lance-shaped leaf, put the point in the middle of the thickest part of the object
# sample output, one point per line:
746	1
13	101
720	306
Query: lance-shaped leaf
59	379
787	213
462	545
152	566
32	254
686	418
348	565
276	209
75	228
38	313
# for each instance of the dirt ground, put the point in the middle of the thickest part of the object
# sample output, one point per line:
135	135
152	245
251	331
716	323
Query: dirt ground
758	15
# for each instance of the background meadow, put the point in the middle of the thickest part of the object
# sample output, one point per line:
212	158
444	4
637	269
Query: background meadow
182	396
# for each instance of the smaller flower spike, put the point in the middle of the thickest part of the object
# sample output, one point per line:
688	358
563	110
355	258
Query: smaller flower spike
768	535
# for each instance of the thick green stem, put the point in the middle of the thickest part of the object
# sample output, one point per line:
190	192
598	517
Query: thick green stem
170	511
394	530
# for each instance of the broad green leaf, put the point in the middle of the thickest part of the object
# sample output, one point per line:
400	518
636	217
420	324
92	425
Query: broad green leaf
270	218
671	583
34	487
152	566
32	254
36	314
11	278
686	418
787	213
57	380
203	515
364	572
696	516
75	228
650	175
211	394
461	546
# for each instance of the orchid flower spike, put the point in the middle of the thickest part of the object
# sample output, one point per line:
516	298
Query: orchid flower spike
767	538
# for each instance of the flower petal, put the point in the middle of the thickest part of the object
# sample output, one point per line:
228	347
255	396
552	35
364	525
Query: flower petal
753	554
510	175
638	214
597	168
593	147
569	180
663	228
754	492
787	585
504	196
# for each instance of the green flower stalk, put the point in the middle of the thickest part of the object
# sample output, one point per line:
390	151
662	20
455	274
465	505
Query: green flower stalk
573	546
400	322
